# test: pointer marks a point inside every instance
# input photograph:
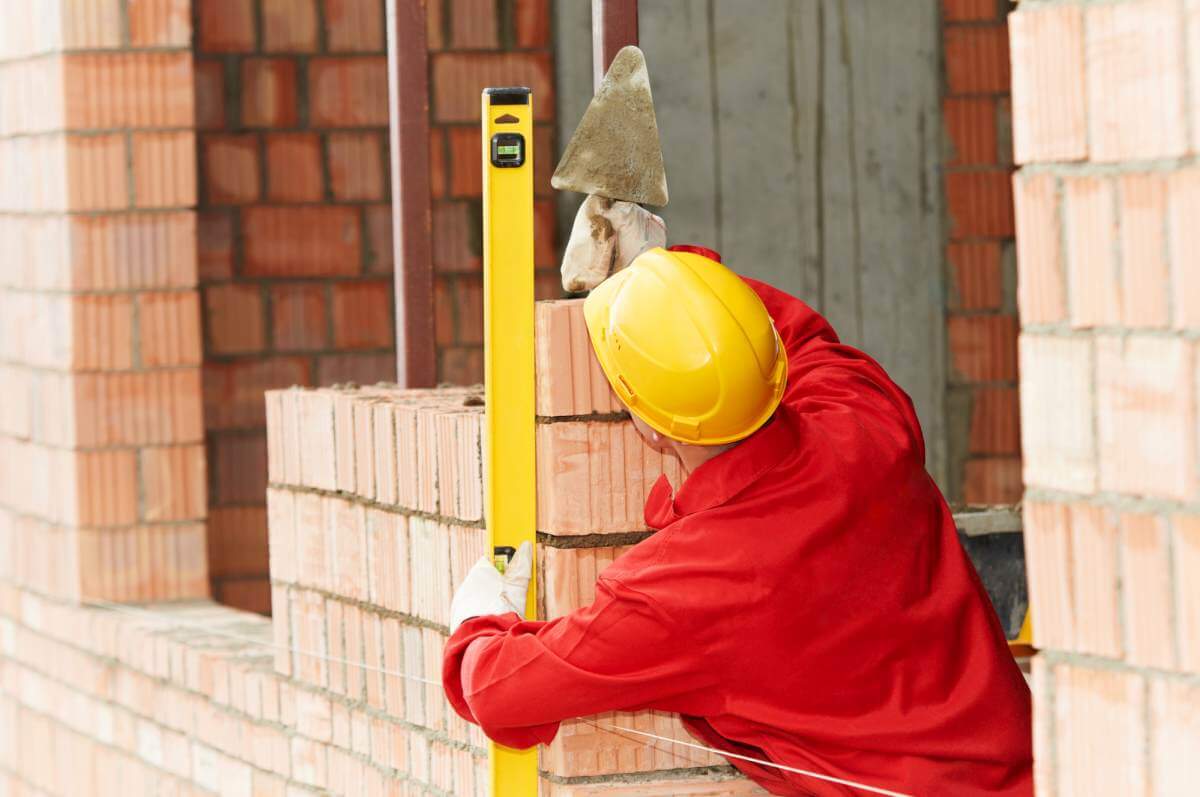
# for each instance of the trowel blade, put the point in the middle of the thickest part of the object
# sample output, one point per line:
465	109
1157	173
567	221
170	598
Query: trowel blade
615	151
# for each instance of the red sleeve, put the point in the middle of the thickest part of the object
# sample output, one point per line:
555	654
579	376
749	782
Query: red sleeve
518	679
826	375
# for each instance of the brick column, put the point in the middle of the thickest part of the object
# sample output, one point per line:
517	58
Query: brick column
102	467
981	299
1105	116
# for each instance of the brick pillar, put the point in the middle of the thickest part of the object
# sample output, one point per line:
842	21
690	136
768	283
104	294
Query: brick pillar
980	279
1105	116
102	467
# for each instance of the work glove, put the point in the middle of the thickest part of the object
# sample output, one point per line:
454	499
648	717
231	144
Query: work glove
486	590
607	235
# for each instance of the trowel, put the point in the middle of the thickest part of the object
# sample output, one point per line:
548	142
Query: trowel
615	157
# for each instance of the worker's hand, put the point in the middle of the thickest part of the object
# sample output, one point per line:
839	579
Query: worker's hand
486	590
607	235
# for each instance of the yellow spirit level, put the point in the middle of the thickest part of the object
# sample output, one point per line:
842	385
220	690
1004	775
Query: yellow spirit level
511	490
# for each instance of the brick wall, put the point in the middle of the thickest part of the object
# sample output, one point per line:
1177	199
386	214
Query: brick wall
295	226
1105	125
102	464
473	44
985	455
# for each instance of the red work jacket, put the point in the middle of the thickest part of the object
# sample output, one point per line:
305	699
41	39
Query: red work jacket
805	601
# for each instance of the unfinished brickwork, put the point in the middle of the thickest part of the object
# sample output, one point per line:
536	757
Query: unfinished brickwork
1106	125
981	311
102	464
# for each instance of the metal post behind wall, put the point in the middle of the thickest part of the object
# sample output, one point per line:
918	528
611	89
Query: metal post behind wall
412	215
614	25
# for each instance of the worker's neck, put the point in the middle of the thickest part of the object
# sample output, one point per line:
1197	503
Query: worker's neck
692	457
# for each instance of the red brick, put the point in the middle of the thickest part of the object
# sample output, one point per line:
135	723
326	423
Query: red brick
289	26
456	79
348	91
131	89
1185	546
108	488
437	163
164	169
968	10
1101	731
1049	118
1146	416
237	541
545	253
1144	273
995	421
460	365
531	23
380	257
294	167
1041	294
225	25
1146	590
435	26
356	166
545	156
268	92
301	242
210	93
569	379
443	311
983	348
231	173
1057	410
355	25
467	296
980	204
995	480
362	368
97	168
169	329
362	314
465	162
239	465
976	280
101	332
235	318
977	59
299	317
971	127
547	285
473	25
454	244
160	23
233	392
1135	75
173	483
214	238
1183	189
1091	245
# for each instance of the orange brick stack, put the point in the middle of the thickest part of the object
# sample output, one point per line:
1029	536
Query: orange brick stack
102	464
1107	204
981	302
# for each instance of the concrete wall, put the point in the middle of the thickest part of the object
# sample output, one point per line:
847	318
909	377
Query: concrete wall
803	142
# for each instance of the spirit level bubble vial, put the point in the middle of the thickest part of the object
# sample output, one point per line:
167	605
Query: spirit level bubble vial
511	490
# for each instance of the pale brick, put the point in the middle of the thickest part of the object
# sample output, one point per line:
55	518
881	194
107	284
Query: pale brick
1048	112
1101	732
1146	591
1057	435
1048	560
1186	550
1146	416
1183	189
1174	736
1135	76
1144	274
1089	210
1094	579
1041	293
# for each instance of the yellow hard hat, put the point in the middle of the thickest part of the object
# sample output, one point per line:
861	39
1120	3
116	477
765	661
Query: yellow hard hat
688	346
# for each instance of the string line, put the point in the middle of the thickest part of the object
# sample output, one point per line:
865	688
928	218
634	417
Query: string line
760	761
177	623
135	611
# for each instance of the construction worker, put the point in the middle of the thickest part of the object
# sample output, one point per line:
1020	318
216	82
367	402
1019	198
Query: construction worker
805	601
